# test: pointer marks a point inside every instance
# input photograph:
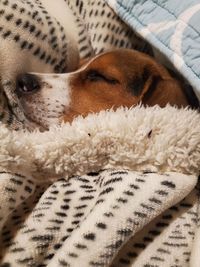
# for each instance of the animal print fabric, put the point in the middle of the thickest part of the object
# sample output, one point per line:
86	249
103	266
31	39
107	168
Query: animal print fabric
100	29
27	26
111	218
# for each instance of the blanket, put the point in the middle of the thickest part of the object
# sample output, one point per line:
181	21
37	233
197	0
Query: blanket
137	205
172	27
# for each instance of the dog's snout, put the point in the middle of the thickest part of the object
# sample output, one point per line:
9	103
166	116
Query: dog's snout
27	83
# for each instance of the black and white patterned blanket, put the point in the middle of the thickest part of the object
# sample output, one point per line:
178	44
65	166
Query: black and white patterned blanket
139	206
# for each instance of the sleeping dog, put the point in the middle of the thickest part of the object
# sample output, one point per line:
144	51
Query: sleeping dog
121	77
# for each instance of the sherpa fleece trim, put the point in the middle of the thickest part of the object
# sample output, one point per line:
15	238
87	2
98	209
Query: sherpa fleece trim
139	139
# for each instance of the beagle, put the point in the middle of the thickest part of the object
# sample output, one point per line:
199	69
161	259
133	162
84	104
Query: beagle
121	77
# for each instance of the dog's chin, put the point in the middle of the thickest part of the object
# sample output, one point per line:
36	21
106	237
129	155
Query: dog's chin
32	125
38	119
44	124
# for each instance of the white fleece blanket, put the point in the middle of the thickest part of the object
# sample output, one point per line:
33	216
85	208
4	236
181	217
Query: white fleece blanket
137	206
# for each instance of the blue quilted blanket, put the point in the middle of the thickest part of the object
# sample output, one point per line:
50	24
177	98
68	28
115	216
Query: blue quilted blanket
172	27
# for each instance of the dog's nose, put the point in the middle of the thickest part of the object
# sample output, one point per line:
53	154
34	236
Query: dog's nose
27	83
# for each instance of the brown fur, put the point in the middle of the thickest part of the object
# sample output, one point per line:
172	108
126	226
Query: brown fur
130	77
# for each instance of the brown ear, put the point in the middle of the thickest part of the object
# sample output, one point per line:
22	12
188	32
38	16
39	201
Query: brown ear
163	92
137	84
144	83
155	86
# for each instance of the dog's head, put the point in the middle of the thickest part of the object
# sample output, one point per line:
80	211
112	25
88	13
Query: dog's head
121	77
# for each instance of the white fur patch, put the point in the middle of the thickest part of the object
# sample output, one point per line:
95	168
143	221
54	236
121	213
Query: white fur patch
47	106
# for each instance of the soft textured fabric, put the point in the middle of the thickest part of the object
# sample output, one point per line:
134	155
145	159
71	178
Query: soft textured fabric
140	139
114	218
141	211
172	27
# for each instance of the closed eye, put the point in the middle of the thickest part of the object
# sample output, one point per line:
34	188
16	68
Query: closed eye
95	76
